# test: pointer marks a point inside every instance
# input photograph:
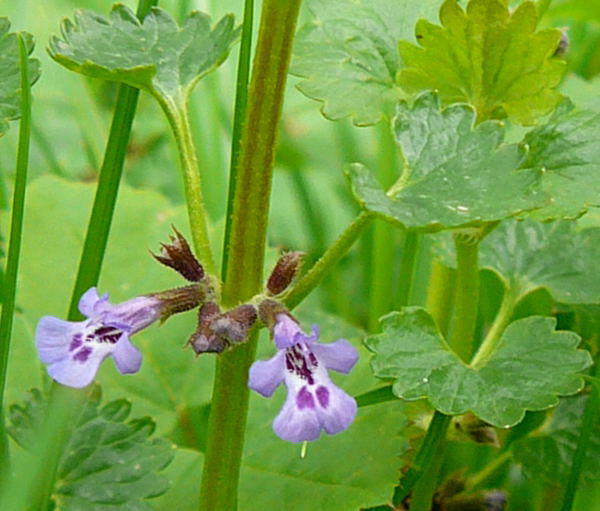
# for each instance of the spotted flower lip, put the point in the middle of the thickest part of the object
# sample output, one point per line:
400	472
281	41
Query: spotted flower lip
314	402
73	351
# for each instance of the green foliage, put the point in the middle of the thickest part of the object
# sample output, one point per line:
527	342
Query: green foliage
488	57
10	73
456	174
531	366
549	453
528	255
567	149
155	55
109	463
348	58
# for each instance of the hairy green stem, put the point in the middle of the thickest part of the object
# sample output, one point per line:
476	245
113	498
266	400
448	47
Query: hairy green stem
14	246
180	124
245	248
241	102
333	254
487	347
466	296
435	434
424	489
440	295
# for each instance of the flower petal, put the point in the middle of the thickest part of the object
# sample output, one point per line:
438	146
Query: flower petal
266	375
284	331
295	424
54	337
90	302
128	358
339	356
336	409
79	370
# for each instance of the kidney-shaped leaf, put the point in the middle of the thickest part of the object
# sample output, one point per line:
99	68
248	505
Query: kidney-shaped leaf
488	57
456	174
10	73
348	55
108	460
531	366
155	55
567	150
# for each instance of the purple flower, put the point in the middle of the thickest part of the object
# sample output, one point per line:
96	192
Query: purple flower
313	401
73	351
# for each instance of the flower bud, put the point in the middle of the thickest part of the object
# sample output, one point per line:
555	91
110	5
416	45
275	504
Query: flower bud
284	272
178	256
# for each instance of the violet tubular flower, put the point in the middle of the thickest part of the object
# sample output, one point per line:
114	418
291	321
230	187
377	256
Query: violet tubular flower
73	351
314	402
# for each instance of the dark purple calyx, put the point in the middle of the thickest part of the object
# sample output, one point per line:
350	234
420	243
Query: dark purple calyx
301	361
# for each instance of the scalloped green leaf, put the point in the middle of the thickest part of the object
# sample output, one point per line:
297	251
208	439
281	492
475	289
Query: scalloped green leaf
456	174
549	453
348	57
109	461
155	55
532	365
528	255
10	73
489	57
567	150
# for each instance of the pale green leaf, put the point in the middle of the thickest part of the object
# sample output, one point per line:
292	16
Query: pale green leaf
567	150
456	174
155	55
531	366
528	255
10	73
489	57
348	55
109	463
549	453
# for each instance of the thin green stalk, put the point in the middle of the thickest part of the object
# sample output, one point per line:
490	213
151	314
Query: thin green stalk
245	248
65	402
376	396
591	416
408	262
487	347
466	297
179	121
333	254
476	479
424	489
241	102
440	295
108	187
435	434
14	246
382	254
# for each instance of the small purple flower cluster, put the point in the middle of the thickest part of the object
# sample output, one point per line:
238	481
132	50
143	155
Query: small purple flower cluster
73	351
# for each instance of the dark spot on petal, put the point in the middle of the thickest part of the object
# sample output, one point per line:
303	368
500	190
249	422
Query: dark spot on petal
83	354
323	396
75	342
304	399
